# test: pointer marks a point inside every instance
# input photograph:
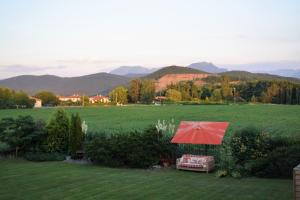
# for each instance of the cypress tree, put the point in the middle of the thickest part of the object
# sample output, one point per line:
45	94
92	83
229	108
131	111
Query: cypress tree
76	135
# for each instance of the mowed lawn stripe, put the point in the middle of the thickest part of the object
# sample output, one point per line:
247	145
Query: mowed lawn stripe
59	180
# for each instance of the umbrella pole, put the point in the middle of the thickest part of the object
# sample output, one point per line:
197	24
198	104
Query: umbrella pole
206	149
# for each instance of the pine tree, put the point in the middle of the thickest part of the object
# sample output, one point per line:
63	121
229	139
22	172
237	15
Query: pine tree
58	132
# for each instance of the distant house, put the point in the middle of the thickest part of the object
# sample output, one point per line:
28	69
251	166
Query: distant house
99	99
74	98
38	102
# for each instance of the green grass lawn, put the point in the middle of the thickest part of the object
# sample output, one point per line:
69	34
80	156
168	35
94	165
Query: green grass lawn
58	180
276	119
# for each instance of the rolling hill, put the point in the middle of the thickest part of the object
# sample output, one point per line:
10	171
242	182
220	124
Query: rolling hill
89	84
248	76
172	70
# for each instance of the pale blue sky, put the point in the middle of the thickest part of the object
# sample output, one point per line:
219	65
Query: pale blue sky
72	37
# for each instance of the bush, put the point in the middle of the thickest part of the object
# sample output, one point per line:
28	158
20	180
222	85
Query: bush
135	149
278	164
248	144
4	147
41	156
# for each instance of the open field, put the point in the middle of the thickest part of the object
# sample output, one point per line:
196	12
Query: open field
276	119
57	180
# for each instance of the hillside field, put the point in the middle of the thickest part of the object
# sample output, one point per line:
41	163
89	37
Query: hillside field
275	119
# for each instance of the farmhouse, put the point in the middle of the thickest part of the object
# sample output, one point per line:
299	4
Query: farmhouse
38	102
99	99
73	98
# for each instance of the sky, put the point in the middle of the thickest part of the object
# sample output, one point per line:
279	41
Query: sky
76	37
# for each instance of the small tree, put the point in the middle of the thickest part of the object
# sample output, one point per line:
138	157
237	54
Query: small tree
48	98
58	132
76	135
119	95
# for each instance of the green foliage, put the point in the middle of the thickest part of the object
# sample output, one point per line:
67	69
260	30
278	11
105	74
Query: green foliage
43	156
58	132
221	173
22	133
48	98
76	135
4	147
135	149
249	143
119	95
11	99
277	92
188	90
173	95
147	91
278	164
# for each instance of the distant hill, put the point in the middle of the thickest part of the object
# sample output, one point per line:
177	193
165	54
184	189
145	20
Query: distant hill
132	71
173	70
286	72
248	76
88	85
207	67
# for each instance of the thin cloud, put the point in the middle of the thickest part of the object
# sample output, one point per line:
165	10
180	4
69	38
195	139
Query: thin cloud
27	69
87	61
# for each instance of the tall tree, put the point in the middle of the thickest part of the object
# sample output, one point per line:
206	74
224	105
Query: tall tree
119	95
271	92
58	132
147	91
135	90
225	87
76	135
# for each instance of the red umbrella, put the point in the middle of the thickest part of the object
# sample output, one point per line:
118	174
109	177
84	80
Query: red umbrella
200	132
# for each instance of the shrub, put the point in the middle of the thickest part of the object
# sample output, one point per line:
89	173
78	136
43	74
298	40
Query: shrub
135	149
41	156
58	132
248	144
236	174
221	173
4	147
278	164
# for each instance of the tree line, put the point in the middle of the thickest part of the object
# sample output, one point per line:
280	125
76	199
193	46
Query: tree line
12	99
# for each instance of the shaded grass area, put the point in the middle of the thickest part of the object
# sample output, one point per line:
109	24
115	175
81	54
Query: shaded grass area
57	180
276	119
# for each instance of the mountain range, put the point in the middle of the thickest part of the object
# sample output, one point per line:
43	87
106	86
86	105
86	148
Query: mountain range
102	83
